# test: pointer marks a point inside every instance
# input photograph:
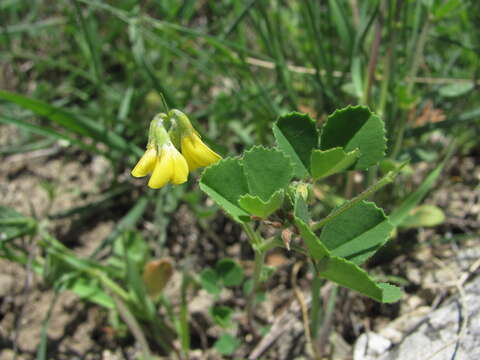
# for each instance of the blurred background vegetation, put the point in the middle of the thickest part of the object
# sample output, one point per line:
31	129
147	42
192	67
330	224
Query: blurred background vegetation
82	79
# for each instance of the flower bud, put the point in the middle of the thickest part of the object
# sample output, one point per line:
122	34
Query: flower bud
156	274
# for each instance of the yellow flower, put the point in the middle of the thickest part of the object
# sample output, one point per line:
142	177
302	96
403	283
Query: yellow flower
146	163
170	166
196	152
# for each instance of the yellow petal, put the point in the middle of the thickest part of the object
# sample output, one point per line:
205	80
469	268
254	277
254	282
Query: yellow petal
192	165
180	167
189	156
197	153
146	163
163	171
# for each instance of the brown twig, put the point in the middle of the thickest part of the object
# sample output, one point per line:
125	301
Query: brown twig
464	308
310	71
303	307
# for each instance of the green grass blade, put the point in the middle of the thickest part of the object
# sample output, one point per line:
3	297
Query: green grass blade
71	122
42	130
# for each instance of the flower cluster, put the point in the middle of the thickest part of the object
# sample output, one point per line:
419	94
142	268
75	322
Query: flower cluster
163	159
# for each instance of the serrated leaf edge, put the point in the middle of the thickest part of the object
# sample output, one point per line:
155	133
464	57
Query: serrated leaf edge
370	278
354	107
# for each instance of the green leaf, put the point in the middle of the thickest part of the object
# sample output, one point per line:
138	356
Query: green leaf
341	21
388	164
91	291
424	216
251	185
210	281
71	122
225	182
14	224
346	273
400	213
355	127
296	135
256	206
454	90
222	316
126	222
134	251
357	233
390	293
229	271
42	130
446	8
301	208
316	249
133	245
328	162
267	171
227	344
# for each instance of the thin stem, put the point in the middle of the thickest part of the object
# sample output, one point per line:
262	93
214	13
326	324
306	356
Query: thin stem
413	72
372	64
274	242
303	306
257	272
317	283
347	205
133	325
389	58
256	241
183	317
164	103
327	321
253	237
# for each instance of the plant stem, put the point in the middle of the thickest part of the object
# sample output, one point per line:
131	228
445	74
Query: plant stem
133	325
274	242
372	63
257	271
327	320
256	241
183	317
253	237
410	82
348	204
317	283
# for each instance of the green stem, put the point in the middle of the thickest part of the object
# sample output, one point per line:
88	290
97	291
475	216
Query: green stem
56	247
327	320
316	308
347	205
273	242
254	238
372	63
17	221
183	318
410	82
256	241
133	325
389	58
257	272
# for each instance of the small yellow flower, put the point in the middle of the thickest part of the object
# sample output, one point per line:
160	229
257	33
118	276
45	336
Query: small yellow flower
146	163
170	166
196	152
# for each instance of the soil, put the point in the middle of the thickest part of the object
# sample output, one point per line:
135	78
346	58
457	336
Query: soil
52	181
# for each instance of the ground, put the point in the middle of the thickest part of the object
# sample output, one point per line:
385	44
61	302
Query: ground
427	259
